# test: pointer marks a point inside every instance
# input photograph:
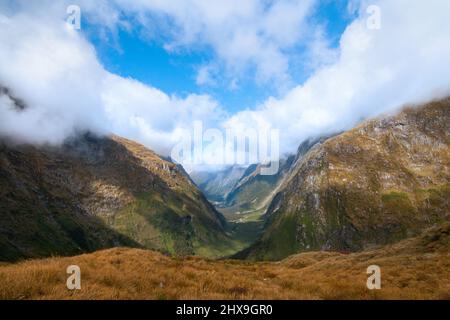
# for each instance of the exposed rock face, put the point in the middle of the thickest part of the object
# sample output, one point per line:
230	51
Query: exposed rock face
95	193
253	191
217	184
383	181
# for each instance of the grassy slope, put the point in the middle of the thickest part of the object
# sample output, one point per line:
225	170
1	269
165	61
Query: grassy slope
38	219
417	268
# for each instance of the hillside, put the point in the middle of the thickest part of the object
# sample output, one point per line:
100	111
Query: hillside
253	191
217	184
240	190
242	195
381	182
417	268
100	192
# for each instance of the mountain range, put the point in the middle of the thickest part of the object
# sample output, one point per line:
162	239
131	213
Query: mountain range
374	194
383	181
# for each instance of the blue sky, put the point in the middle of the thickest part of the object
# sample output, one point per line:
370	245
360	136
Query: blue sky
130	54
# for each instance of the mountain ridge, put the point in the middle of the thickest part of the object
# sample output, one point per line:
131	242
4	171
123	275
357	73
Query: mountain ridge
96	192
380	182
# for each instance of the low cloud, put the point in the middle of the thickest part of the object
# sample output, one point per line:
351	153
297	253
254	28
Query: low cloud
406	61
56	72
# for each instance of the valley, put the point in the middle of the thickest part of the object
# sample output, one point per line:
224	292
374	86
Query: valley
203	150
140	227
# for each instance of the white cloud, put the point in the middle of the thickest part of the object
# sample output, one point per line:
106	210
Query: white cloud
152	117
204	76
56	71
246	36
407	61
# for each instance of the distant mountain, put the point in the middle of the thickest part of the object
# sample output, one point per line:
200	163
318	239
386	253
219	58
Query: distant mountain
383	181
253	191
241	190
100	192
217	184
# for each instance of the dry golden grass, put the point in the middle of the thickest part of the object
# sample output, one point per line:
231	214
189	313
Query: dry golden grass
417	268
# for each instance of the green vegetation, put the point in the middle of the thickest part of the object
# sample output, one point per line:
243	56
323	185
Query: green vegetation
96	193
244	228
416	268
395	197
251	196
373	185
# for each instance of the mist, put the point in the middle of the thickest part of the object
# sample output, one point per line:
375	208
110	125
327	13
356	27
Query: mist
55	70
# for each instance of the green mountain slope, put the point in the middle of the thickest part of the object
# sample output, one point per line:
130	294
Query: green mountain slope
94	193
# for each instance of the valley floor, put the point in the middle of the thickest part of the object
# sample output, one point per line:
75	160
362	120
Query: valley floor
416	268
245	228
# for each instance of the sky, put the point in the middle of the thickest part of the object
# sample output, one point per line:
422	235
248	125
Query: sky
200	69
150	69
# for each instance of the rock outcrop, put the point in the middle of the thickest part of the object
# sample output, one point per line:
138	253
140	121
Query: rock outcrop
385	180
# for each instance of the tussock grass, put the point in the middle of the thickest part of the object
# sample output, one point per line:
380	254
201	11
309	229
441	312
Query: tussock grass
417	268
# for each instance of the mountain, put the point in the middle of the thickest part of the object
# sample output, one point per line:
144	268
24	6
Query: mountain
385	180
217	184
99	192
241	190
253	191
416	268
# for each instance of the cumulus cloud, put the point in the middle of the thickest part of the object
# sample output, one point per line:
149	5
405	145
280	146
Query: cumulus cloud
55	70
152	117
406	61
245	36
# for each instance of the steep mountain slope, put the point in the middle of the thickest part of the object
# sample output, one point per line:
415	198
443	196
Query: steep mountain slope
239	190
253	191
217	184
96	193
378	183
416	268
